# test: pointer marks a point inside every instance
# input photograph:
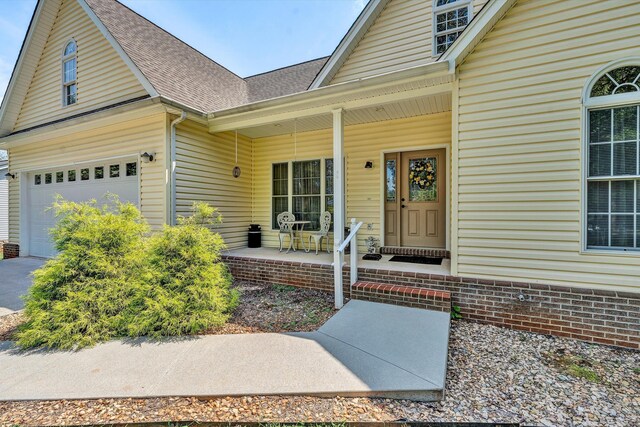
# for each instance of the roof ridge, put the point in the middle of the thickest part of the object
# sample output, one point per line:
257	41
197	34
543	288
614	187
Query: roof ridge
287	66
176	37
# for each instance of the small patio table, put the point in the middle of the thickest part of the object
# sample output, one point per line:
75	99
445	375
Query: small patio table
297	228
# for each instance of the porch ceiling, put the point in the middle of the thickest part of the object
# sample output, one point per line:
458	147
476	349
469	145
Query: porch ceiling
407	93
412	107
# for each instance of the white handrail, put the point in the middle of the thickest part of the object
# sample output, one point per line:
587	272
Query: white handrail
338	260
352	234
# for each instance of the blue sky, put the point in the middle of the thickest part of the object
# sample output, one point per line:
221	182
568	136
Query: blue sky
246	36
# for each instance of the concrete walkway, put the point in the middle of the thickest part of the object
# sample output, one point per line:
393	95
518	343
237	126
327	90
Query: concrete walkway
15	280
366	349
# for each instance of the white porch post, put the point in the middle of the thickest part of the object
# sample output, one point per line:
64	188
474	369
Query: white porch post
338	202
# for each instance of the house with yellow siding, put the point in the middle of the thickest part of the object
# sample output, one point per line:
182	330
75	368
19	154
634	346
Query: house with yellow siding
483	154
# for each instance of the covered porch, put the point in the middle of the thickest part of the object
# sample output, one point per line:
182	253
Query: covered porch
390	131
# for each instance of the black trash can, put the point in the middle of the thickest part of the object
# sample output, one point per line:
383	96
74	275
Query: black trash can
255	236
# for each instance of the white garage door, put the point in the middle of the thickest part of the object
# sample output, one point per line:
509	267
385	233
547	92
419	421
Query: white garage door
75	183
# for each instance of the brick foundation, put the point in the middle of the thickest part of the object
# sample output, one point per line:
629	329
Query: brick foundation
605	317
10	250
408	296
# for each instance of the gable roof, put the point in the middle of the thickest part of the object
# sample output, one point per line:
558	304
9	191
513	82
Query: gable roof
283	81
175	70
361	25
169	68
37	33
479	26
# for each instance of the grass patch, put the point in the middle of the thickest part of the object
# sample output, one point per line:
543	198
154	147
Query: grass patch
574	365
284	288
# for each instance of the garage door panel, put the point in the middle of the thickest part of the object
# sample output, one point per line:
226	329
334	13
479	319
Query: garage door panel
78	184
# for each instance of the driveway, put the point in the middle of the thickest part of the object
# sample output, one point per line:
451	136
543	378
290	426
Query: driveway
15	280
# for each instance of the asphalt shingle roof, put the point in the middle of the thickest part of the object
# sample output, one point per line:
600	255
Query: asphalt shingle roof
284	81
181	73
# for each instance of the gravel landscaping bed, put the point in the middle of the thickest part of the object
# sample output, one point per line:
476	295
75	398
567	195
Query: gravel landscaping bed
495	375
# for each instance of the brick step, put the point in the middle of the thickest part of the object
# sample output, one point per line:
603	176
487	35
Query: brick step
395	250
409	296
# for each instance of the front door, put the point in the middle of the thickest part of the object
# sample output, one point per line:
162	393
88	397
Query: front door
423	197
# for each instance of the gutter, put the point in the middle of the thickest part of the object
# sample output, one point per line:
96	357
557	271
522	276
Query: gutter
172	159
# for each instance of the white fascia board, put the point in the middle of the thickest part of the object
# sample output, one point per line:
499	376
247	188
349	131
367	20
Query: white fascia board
325	99
433	69
348	43
131	111
114	43
475	30
6	128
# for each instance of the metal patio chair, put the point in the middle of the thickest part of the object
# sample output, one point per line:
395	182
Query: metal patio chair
285	225
325	224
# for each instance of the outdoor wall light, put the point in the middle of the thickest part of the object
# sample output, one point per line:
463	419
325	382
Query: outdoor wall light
10	175
368	164
147	157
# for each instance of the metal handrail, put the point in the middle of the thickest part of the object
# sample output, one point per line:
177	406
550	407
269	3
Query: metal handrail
352	234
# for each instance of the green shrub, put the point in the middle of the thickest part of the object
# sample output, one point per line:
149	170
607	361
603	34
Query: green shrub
112	279
190	290
83	295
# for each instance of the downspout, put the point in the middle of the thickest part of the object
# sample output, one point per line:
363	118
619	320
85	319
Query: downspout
172	211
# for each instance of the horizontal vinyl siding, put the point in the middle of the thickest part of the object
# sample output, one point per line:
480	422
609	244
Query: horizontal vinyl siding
362	143
4	206
127	137
204	173
520	143
401	37
102	76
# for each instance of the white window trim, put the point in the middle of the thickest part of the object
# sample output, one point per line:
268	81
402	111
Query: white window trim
459	4
601	102
323	182
66	58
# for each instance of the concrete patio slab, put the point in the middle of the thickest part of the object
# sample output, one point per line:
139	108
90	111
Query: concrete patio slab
15	281
313	363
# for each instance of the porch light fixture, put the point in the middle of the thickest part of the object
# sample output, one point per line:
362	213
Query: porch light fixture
368	164
10	175
147	157
236	169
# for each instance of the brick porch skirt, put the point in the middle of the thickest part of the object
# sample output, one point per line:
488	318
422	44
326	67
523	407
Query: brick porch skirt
10	250
599	316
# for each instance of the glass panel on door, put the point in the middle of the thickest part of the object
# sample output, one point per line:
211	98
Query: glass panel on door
423	185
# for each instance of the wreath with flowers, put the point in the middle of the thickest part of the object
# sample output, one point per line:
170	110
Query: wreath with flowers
422	174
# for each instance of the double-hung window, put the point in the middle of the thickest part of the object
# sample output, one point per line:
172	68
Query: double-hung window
450	17
304	188
613	161
69	73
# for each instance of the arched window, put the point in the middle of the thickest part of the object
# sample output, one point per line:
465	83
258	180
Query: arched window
69	73
612	166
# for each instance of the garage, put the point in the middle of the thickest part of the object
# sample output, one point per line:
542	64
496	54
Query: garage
76	183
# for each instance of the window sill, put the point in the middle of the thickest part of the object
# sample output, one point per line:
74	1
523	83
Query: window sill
633	253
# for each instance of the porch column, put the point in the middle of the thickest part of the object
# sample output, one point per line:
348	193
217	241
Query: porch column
338	202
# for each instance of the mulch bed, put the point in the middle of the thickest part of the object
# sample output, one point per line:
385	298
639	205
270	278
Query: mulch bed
277	308
263	308
8	325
